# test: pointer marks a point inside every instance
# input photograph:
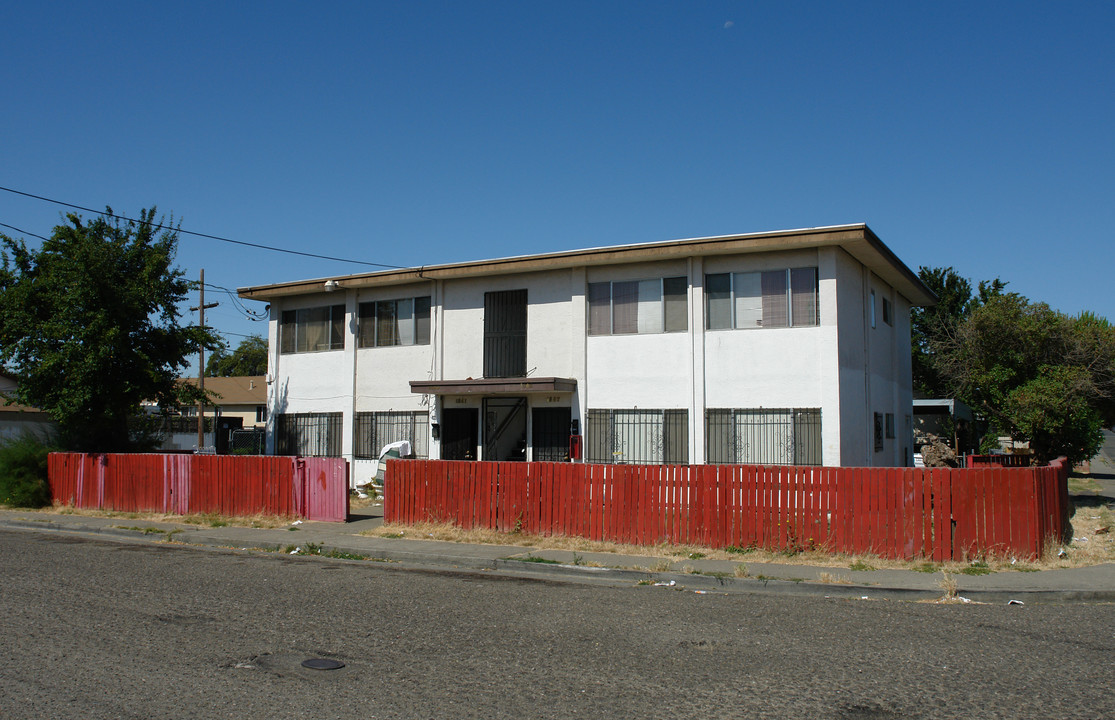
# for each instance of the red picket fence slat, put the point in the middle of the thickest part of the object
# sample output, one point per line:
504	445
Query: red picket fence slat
312	488
937	514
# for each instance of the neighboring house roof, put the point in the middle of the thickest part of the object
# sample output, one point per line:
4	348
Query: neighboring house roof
951	406
7	386
857	240
248	390
17	408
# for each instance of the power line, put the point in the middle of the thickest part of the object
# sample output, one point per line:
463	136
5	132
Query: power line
13	227
238	304
198	234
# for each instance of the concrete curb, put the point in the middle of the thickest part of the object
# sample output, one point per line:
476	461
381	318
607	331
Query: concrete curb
499	560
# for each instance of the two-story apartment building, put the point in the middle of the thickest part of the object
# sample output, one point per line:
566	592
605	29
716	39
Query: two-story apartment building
788	347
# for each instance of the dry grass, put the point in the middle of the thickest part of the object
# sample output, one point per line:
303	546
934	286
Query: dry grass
829	578
358	503
948	584
1088	548
201	519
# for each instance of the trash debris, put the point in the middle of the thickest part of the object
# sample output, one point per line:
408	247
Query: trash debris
295	551
1015	602
862	597
1080	539
1103	530
665	584
362	495
296	522
963	599
1061	553
1013	561
701	592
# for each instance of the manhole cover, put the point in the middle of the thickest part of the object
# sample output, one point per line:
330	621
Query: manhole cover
322	664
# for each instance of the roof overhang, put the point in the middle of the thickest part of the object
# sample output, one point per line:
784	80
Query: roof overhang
494	386
857	240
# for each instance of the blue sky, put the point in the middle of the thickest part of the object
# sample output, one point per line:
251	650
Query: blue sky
972	134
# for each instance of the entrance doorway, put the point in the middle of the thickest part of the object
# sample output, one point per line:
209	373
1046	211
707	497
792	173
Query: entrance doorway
505	428
550	434
459	434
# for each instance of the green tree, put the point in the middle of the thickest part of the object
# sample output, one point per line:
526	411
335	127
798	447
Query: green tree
249	358
931	326
954	302
89	324
1035	373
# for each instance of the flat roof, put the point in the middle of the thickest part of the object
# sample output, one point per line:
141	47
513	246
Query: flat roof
857	240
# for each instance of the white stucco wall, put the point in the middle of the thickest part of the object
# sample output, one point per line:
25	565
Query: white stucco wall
841	366
549	294
383	374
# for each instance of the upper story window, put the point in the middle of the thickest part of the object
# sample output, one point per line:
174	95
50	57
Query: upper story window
394	322
312	329
888	312
638	306
768	299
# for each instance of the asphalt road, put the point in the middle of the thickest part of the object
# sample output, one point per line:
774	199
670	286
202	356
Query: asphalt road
93	628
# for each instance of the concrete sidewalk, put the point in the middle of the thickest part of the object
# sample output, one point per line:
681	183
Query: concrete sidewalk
1088	584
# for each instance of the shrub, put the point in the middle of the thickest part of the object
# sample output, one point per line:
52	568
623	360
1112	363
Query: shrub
23	472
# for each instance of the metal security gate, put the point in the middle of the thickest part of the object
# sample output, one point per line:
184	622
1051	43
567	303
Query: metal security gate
459	434
505	334
505	428
549	434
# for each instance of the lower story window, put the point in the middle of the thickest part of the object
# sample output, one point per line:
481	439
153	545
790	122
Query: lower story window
376	429
308	434
640	437
763	437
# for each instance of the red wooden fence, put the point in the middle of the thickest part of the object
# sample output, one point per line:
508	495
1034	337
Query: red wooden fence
312	488
938	514
997	461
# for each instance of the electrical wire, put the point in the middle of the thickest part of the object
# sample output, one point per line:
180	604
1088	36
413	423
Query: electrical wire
13	227
248	312
198	234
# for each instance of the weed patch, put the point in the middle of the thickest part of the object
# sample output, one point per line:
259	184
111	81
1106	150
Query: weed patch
144	530
947	583
536	559
978	567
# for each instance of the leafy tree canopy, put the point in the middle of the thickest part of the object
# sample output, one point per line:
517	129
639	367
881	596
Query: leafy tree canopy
931	325
89	325
249	358
1035	373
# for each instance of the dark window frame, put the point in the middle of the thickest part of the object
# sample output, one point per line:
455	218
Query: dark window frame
673	298
780	298
295	329
724	446
374	429
378	320
604	426
293	431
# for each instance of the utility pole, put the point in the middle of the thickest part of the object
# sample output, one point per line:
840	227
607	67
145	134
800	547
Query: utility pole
201	306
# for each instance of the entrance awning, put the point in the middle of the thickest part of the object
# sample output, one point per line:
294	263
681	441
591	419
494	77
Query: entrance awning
494	386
